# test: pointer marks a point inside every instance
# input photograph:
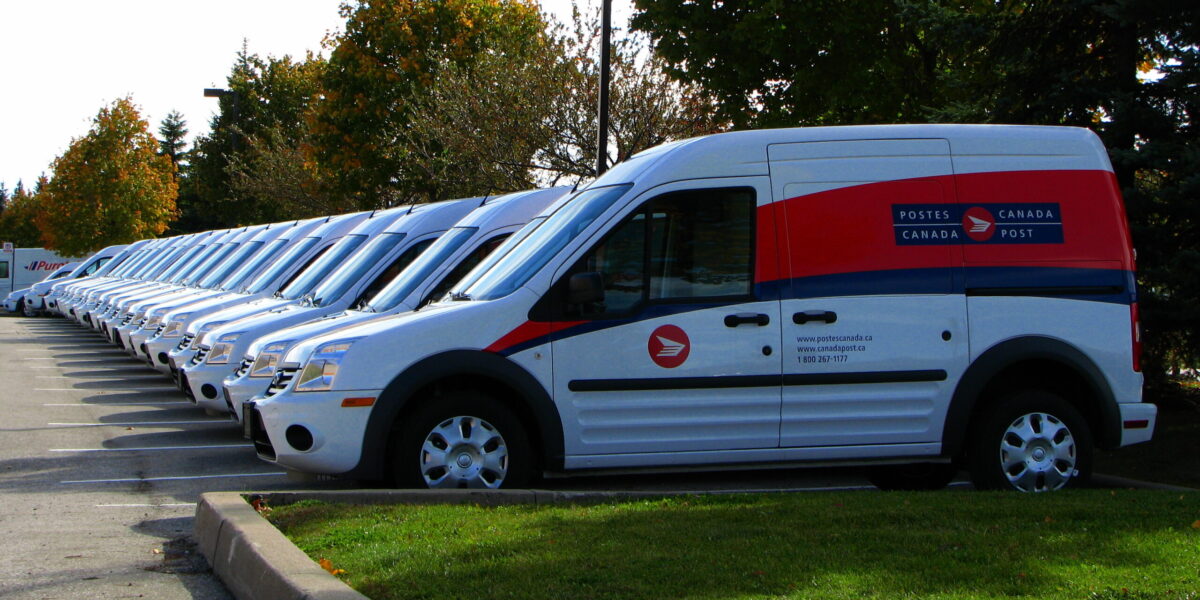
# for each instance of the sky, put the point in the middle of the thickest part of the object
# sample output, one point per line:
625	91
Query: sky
61	61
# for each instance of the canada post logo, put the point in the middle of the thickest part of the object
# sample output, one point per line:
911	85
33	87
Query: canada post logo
668	346
1008	223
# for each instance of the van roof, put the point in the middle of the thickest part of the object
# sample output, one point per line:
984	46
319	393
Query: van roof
745	153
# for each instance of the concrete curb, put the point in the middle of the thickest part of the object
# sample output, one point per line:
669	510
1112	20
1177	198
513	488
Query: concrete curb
1112	481
254	560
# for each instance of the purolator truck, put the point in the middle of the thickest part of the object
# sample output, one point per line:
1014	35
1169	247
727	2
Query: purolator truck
917	298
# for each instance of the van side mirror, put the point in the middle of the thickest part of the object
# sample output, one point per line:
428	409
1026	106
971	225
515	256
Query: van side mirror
585	288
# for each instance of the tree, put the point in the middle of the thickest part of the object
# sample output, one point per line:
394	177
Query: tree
173	133
270	100
19	221
111	186
389	55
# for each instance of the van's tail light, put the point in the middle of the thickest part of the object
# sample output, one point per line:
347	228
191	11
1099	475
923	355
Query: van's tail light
1135	324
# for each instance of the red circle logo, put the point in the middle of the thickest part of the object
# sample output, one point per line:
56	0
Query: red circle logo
979	224
668	346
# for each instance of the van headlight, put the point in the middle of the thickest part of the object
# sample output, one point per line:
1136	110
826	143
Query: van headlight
176	326
264	364
204	329
223	349
320	370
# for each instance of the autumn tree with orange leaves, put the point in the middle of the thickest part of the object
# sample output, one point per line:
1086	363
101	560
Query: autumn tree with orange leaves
385	60
111	186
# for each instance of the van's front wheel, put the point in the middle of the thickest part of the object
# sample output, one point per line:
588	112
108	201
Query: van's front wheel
1031	441
465	440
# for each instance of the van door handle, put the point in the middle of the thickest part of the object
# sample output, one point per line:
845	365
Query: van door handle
747	318
808	316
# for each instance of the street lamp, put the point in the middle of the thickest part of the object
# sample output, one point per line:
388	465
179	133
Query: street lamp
234	95
605	44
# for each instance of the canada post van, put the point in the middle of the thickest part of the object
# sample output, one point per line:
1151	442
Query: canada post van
426	279
386	254
912	297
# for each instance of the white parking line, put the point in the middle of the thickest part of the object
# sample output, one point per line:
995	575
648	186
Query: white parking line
138	424
168	505
39	358
122	403
175	478
153	388
152	448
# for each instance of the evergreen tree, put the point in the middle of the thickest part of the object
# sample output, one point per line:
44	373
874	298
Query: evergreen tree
172	133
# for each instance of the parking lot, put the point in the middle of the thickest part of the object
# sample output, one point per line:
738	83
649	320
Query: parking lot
103	462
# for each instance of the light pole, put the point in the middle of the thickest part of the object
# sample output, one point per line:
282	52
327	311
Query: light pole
234	95
605	44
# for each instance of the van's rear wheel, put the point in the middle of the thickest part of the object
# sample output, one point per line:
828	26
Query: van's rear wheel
1031	441
465	440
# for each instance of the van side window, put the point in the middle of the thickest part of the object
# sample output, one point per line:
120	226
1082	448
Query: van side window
393	270
3	269
688	246
463	268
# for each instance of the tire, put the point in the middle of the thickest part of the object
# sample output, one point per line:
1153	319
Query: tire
466	439
914	477
1030	441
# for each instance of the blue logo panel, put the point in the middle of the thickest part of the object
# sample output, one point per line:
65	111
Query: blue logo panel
1001	223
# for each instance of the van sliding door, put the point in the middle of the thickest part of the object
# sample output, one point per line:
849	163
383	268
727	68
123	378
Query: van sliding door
873	327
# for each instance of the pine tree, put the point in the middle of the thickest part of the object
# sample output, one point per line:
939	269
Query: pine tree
171	142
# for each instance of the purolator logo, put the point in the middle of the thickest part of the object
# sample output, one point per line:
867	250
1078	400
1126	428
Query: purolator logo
668	346
43	265
979	224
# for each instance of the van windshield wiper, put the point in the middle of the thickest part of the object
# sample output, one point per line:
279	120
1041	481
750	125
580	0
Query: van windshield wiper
307	300
460	296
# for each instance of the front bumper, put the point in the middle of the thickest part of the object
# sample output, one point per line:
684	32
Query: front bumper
204	384
159	350
239	390
336	431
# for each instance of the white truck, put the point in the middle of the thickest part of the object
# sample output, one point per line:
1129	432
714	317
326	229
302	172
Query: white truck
23	267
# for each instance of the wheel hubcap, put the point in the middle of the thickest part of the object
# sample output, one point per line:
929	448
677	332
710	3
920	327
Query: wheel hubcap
464	452
1037	453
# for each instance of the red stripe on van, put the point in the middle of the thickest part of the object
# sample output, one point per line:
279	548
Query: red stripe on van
527	331
851	229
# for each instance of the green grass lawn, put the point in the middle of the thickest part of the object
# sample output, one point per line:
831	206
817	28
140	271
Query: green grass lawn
1093	544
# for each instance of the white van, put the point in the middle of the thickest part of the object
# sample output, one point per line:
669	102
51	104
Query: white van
884	295
304	245
60	290
15	302
362	275
425	280
36	300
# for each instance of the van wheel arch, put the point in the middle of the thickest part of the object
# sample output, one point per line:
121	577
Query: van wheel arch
1026	363
444	374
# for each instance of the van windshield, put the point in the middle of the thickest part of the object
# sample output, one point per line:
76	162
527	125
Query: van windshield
188	262
512	271
277	268
417	272
348	274
322	267
255	263
228	265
